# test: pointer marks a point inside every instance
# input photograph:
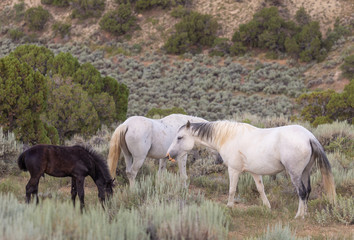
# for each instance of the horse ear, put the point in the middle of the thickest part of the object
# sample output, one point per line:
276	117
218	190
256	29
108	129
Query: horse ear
188	124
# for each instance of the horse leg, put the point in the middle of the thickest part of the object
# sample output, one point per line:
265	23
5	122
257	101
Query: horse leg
182	165
306	180
162	164
32	188
233	176
80	191
133	171
73	190
300	177
260	187
128	165
301	192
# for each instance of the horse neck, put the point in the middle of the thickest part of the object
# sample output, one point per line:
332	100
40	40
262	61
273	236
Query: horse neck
206	143
221	132
99	172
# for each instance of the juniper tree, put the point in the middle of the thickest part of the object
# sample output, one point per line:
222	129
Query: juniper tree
35	56
71	111
23	96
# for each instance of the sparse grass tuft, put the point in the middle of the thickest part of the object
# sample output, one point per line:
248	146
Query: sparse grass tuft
342	212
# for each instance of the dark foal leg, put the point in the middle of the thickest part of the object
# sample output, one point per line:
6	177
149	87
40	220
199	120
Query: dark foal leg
32	188
73	190
80	190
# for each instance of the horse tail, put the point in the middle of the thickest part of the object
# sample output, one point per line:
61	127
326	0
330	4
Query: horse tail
325	168
115	146
21	162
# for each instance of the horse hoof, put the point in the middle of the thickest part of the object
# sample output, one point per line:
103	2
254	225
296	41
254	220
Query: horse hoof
300	216
230	205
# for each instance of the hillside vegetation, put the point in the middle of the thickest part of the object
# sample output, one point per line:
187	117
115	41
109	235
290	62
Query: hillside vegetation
72	70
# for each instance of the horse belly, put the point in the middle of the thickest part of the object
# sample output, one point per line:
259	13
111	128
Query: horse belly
263	164
60	168
157	151
264	169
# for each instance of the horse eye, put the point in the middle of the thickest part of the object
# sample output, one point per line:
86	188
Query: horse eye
179	138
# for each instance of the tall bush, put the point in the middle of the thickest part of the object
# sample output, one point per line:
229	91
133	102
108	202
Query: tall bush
268	30
84	9
36	18
99	100
164	112
35	56
194	31
63	64
71	111
348	67
23	96
119	21
326	106
58	3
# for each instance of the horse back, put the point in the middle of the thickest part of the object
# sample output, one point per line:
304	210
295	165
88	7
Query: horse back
57	161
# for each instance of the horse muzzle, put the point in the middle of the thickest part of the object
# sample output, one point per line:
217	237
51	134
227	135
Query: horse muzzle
168	156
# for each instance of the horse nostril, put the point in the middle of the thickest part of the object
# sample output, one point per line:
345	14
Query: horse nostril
168	156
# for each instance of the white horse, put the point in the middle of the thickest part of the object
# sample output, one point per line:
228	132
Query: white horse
245	148
140	137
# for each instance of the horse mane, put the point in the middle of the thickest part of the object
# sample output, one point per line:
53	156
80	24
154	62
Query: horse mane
218	131
98	159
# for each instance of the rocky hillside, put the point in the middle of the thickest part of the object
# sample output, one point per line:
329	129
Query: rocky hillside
157	24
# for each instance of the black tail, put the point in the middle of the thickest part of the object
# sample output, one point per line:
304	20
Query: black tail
21	162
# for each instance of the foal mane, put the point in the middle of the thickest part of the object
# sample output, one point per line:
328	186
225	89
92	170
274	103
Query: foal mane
217	132
99	160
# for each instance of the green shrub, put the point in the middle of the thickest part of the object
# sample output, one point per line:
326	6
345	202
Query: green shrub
36	18
35	56
63	64
16	34
194	31
84	9
58	3
326	106
237	48
348	67
180	12
120	93
71	111
160	113
141	5
334	35
221	47
309	40
23	95
302	17
119	21
102	99
268	30
19	10
61	28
